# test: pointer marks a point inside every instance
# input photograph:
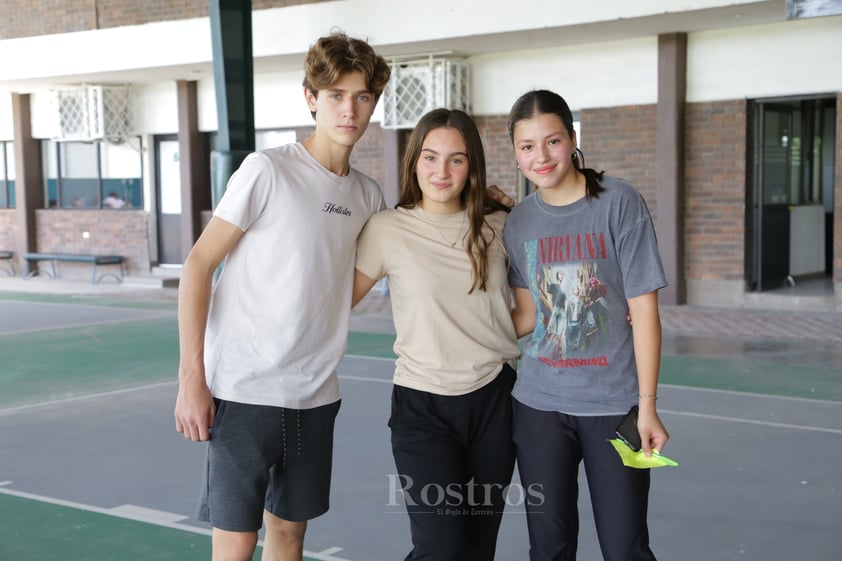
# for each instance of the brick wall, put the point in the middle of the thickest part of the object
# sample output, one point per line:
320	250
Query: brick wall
618	140
715	204
114	13
121	232
265	4
501	168
8	229
26	18
368	154
621	142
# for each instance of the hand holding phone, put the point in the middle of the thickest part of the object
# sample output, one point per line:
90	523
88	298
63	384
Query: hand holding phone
627	429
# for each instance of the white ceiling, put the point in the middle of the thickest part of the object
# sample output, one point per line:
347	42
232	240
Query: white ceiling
736	15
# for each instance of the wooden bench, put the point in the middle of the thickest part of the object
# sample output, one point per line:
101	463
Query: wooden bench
54	258
10	257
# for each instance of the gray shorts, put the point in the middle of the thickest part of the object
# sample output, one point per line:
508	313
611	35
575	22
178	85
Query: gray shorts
273	458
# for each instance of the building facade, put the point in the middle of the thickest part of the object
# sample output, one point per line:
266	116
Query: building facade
725	115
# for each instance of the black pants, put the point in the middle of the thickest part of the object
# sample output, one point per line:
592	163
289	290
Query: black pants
455	457
550	446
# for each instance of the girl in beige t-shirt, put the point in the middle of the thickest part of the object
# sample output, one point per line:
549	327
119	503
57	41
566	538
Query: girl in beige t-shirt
441	249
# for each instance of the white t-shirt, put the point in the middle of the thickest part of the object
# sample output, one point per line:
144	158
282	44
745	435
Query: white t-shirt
448	342
279	315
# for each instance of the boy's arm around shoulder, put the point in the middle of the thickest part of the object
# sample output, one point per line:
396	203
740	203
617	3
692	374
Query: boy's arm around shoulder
497	195
362	284
370	254
194	408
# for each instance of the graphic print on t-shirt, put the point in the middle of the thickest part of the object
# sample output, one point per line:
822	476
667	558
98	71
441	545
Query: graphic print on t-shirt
571	323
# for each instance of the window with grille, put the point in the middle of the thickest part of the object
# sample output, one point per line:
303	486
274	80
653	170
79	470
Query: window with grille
94	112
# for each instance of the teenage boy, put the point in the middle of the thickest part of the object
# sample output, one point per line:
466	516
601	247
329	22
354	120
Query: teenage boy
258	352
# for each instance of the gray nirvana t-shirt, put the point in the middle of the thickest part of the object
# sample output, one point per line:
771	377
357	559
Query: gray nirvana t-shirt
581	262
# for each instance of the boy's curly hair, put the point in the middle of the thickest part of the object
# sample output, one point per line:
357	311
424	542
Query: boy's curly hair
336	54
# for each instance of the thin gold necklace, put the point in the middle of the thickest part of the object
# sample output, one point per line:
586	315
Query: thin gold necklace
433	224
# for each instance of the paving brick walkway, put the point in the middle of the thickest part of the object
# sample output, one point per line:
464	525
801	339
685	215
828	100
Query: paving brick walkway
753	324
824	327
714	322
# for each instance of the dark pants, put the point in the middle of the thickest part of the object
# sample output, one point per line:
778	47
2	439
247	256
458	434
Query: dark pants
550	446
455	457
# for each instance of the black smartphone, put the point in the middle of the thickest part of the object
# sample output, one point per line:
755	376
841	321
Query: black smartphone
627	429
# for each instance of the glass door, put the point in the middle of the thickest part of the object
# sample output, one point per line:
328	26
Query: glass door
792	196
169	201
775	175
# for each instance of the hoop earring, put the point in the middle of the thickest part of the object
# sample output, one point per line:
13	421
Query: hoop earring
578	157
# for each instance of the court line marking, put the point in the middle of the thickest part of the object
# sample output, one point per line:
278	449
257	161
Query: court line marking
84	305
754	394
85	324
16	409
147	516
675	386
752	421
19	408
363	357
366	379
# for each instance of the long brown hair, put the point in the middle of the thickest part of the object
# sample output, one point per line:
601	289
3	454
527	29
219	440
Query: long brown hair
473	197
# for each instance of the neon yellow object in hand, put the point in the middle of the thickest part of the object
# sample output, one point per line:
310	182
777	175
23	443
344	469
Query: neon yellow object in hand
638	459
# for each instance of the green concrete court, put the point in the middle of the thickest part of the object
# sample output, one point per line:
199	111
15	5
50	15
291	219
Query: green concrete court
100	364
31	529
63	362
60	362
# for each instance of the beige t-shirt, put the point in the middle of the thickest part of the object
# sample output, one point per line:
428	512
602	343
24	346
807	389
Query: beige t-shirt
448	342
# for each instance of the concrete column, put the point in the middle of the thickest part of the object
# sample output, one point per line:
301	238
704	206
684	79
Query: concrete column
233	74
669	168
837	208
194	165
394	144
29	183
